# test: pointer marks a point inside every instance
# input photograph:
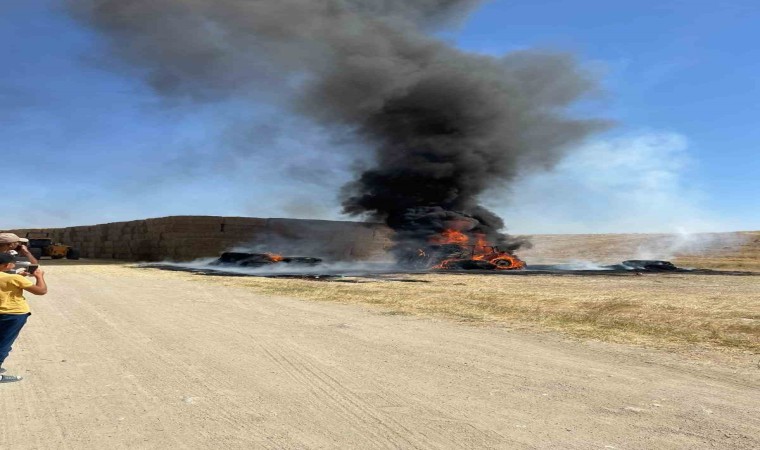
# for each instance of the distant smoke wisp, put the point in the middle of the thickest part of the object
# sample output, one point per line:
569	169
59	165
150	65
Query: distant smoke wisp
443	125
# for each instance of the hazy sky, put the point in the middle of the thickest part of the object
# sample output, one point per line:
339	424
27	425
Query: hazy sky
92	143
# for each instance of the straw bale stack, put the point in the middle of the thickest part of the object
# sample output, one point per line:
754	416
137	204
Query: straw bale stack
184	238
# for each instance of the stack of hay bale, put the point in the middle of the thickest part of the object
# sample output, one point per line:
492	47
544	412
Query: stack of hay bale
184	238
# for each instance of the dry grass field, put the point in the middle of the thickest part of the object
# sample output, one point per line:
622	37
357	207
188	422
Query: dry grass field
741	254
724	251
663	310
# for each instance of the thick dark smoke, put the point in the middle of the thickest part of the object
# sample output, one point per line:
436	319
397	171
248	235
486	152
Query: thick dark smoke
445	126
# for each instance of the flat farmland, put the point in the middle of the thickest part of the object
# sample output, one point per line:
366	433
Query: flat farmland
123	357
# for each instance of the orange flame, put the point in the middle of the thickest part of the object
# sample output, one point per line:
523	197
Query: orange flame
450	237
481	251
275	258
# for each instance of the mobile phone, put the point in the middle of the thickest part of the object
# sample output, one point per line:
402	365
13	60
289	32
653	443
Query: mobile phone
32	267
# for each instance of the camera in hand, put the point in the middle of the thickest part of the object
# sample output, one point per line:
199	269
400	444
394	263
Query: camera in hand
32	267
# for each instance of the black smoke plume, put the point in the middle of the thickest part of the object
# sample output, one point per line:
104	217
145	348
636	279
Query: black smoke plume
444	126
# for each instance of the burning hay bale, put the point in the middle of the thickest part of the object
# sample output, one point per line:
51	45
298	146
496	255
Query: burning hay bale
455	250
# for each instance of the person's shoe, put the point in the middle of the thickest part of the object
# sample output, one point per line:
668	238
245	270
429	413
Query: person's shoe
10	378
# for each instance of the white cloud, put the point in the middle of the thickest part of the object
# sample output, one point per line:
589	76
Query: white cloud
638	183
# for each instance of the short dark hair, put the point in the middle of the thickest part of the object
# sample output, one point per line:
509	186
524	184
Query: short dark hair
7	258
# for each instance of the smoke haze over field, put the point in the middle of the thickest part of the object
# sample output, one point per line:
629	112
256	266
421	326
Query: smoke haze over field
441	126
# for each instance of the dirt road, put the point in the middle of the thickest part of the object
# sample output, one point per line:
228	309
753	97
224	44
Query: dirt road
125	358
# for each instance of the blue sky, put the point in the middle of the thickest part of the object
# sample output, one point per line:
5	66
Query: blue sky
680	79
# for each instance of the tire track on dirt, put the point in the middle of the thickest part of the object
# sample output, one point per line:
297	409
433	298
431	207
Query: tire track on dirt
171	368
305	370
340	398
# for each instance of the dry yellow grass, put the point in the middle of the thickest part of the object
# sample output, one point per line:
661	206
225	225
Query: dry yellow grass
728	251
660	310
744	254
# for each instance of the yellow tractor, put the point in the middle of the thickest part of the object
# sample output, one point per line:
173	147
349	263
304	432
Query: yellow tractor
44	246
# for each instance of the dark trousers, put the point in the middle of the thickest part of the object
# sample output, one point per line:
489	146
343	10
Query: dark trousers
10	327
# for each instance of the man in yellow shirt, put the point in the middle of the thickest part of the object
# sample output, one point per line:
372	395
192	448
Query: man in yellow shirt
14	310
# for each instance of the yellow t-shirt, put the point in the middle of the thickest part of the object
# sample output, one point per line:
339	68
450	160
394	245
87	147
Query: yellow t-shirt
12	300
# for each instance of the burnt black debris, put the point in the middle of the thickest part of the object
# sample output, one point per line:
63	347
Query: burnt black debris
627	266
241	259
232	268
650	265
